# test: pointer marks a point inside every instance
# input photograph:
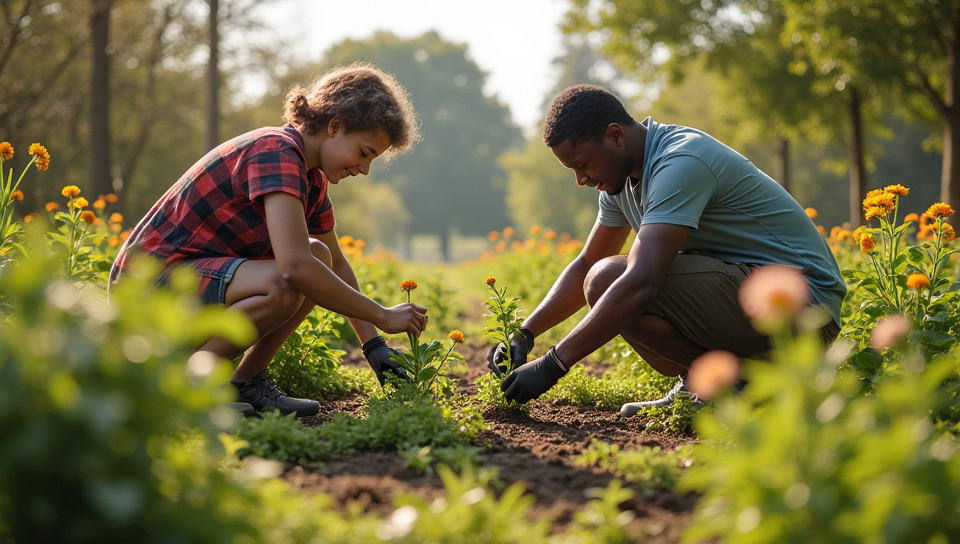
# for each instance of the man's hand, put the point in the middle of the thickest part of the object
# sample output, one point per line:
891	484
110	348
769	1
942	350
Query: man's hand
377	354
534	379
520	346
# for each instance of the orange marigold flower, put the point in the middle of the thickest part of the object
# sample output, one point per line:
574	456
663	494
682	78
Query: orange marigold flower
51	206
408	285
917	281
29	217
940	209
111	198
712	372
873	193
858	233
821	230
43	157
490	280
911	217
535	230
508	232
70	191
88	217
493	236
457	336
113	241
100	203
811	212
79	203
359	244
550	235
947	232
6	150
889	331
876	211
116	218
17	196
867	244
346	240
897	189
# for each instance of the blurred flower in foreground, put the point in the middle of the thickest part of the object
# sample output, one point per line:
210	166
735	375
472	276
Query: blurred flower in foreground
889	331
773	295
713	372
917	281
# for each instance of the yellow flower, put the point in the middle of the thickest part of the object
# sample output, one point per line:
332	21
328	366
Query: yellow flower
917	281
116	218
359	244
911	217
70	191
867	245
17	196
6	150
43	157
897	189
457	336
79	203
100	203
940	209
89	217
51	206
408	285
876	211
947	232
811	212
490	280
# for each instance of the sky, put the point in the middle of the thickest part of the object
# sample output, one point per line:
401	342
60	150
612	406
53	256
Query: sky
513	41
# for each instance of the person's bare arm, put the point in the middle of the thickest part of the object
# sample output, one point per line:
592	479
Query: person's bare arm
648	262
342	268
297	265
566	295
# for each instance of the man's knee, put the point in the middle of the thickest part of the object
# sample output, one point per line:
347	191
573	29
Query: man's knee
601	275
321	251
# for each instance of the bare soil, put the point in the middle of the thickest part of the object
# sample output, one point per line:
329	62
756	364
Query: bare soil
536	448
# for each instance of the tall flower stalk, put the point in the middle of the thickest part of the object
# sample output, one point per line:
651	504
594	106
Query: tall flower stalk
503	321
10	192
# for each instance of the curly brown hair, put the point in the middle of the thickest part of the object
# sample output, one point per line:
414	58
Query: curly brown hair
363	97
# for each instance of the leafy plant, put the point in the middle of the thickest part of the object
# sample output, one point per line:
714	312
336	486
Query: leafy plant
10	192
423	363
651	468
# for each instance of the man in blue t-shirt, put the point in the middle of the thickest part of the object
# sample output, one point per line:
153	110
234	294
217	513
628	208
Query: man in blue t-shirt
704	215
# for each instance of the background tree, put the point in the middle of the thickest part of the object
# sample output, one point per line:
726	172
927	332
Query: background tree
452	182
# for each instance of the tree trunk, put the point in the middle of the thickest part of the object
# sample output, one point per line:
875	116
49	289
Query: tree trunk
783	163
213	80
100	167
858	173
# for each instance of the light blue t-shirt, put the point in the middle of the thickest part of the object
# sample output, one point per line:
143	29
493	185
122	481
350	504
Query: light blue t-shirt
736	213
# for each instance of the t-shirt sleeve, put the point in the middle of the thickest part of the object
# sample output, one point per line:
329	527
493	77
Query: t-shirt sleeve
681	187
610	214
276	169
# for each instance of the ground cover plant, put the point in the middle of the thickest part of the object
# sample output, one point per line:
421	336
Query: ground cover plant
114	432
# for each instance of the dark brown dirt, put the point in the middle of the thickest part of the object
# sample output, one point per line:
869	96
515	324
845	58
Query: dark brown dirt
536	448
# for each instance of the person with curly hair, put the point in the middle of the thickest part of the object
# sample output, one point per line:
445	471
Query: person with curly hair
253	219
704	216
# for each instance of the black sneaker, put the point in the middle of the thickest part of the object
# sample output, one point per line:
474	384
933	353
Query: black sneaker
242	408
261	393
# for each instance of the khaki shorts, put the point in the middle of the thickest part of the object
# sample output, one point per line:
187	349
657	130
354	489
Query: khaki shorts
700	298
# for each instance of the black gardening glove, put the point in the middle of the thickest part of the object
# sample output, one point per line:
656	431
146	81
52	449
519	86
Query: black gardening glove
520	346
378	355
532	380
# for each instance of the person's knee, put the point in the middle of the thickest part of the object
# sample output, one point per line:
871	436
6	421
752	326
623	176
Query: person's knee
321	252
601	275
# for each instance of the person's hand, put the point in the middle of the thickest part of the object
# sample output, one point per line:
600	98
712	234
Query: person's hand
520	346
377	354
533	379
407	317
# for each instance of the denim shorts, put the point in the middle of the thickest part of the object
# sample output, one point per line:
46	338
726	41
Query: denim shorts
214	274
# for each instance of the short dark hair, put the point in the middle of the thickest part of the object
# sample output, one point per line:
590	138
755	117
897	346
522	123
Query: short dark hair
581	113
363	97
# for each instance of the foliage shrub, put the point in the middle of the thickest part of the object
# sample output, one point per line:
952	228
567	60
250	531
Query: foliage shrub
805	454
108	430
652	469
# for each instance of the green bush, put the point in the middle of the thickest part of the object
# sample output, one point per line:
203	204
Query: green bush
108	424
804	454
